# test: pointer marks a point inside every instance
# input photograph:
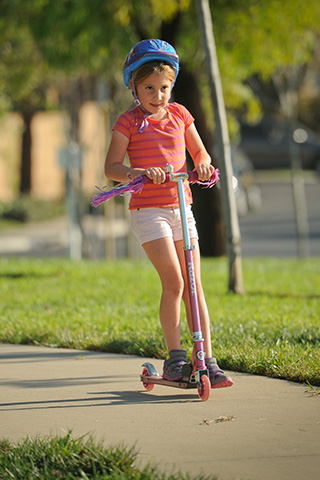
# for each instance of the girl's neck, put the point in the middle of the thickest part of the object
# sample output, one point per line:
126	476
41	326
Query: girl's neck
159	115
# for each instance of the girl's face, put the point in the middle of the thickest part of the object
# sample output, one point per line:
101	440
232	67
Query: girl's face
154	92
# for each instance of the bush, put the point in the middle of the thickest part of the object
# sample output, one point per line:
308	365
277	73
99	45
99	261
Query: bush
26	209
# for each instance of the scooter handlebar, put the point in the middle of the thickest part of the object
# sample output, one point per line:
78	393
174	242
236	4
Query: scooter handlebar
136	185
192	177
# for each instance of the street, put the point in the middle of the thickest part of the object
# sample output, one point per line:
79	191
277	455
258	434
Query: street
268	231
271	230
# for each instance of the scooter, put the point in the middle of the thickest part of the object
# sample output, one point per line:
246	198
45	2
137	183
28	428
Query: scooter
194	374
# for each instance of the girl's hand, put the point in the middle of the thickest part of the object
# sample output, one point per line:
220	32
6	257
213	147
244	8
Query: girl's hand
204	171
156	174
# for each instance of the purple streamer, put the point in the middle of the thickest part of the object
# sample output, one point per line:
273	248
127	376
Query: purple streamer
138	183
122	189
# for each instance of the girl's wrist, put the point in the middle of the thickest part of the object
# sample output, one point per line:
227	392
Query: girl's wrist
134	173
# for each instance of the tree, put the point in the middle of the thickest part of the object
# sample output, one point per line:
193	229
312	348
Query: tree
207	205
24	79
90	38
292	37
82	40
230	208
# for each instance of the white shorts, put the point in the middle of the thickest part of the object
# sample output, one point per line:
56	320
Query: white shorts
153	223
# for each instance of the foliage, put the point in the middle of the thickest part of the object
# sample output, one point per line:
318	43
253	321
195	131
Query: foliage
24	74
27	209
273	330
282	34
92	38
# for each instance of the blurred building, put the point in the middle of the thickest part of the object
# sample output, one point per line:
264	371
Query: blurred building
48	138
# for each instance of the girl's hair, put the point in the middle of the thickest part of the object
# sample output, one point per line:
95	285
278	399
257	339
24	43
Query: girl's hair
151	67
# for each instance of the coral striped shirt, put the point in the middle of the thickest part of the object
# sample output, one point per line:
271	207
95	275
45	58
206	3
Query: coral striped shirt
160	143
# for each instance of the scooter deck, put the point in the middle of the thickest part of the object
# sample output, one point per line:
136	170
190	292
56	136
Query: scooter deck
154	378
151	379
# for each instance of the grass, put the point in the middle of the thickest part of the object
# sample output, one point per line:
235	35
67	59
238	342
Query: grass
273	330
67	458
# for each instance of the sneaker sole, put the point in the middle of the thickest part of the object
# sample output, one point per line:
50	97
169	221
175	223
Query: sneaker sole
177	379
225	383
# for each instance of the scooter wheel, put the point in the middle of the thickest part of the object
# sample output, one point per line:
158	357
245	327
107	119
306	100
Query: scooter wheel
147	386
204	389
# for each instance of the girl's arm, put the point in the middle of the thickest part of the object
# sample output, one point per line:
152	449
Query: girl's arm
199	154
113	167
117	171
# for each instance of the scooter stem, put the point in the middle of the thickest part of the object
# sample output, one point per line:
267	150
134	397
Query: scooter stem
198	351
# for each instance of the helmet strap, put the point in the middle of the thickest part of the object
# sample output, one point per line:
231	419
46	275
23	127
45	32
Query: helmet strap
134	93
137	102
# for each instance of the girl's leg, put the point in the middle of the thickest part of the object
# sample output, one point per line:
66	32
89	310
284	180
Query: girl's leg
163	255
203	310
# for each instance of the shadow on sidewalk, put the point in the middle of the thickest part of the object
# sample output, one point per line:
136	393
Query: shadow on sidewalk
104	399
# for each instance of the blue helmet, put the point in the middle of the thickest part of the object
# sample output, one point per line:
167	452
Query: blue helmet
147	51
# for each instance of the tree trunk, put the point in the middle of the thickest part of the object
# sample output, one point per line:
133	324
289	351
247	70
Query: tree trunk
207	203
26	163
229	203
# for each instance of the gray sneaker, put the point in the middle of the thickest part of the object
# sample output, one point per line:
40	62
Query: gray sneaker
217	377
172	367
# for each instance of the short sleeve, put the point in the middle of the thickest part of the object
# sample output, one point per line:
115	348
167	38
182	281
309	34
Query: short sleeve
124	125
183	113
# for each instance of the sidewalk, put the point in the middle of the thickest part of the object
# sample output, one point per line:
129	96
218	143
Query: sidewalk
272	427
51	238
47	238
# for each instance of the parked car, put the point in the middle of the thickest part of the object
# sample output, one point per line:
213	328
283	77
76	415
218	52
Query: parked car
267	144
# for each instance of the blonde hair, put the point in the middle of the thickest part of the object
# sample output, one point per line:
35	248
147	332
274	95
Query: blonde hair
151	67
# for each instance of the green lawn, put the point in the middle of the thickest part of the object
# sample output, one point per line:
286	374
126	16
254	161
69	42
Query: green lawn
274	329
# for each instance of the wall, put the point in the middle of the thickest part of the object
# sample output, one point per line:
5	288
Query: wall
48	137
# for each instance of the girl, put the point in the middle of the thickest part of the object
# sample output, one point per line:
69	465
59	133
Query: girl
153	134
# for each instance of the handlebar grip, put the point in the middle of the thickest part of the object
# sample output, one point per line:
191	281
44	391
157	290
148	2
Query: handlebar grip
192	177
147	180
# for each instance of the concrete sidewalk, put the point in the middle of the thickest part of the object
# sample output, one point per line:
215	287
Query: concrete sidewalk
36	239
272	427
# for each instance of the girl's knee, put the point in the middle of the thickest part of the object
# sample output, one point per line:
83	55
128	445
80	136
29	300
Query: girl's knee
173	286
